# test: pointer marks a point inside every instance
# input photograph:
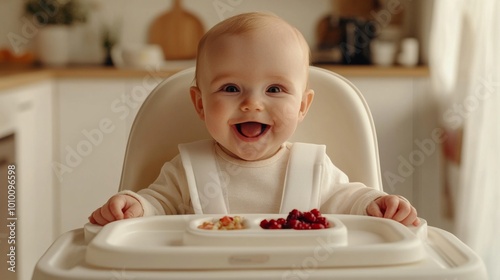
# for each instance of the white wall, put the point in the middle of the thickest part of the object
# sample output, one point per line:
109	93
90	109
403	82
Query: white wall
10	20
135	17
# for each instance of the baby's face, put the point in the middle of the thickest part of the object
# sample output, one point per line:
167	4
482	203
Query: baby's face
252	91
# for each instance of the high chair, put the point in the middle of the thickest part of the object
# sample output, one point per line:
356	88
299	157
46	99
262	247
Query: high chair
173	247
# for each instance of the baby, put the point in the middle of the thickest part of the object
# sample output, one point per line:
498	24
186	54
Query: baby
252	92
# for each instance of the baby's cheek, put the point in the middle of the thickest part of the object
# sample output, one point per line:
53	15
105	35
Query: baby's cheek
216	125
286	118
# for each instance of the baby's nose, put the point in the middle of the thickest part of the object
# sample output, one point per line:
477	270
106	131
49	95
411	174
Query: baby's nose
252	102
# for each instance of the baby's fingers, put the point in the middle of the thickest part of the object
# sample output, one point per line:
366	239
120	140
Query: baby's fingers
403	210
115	209
133	210
118	207
374	210
411	218
395	208
92	220
97	218
391	204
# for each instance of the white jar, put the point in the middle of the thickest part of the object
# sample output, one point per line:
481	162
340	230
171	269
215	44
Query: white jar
383	52
53	45
409	52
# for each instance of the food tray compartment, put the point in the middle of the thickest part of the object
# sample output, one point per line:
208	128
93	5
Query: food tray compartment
253	235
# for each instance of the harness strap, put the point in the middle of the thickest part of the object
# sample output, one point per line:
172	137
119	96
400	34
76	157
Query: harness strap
205	188
302	181
303	177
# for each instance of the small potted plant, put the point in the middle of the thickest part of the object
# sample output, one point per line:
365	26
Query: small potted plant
109	38
53	18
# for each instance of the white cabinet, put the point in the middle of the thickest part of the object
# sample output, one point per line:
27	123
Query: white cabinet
27	110
70	138
90	143
94	117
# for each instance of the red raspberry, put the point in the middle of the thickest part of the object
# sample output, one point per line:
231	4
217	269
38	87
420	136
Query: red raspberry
273	224
317	226
298	220
299	225
309	217
295	212
264	224
281	221
292	223
322	221
305	226
316	212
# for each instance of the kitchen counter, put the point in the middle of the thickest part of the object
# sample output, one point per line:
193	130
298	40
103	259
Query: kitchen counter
18	75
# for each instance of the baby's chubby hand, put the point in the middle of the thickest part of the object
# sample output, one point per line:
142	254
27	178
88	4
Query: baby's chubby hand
393	207
118	207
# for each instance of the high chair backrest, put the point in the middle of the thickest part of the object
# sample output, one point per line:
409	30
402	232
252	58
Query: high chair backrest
339	117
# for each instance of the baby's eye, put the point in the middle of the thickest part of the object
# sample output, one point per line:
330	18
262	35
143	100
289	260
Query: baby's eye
230	88
274	89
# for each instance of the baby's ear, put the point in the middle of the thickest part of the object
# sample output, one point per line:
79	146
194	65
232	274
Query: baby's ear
306	102
197	101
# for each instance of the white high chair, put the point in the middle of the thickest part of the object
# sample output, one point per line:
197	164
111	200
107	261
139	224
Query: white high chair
339	118
172	247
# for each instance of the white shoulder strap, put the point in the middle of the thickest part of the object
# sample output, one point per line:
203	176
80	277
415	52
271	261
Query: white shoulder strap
303	177
198	159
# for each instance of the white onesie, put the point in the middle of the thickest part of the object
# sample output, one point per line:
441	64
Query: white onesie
203	179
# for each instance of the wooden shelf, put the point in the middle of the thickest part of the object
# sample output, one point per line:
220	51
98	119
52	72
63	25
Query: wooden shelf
377	71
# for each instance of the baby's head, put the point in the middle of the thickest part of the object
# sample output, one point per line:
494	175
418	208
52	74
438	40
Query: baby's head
251	83
255	22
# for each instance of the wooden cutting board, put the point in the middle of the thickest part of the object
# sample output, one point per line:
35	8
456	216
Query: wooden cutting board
177	31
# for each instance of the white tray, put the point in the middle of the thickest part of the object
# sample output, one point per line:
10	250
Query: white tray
445	256
174	242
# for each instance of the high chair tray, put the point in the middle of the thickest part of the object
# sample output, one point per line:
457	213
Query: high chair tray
172	247
175	242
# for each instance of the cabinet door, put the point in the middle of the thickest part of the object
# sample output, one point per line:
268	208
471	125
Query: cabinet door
7	193
31	199
391	104
94	120
90	145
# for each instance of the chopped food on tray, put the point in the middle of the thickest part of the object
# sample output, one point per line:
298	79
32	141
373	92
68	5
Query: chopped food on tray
224	223
298	220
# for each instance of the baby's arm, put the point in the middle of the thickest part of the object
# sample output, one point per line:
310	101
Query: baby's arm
118	207
394	207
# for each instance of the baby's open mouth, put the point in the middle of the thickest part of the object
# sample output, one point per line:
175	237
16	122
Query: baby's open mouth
251	129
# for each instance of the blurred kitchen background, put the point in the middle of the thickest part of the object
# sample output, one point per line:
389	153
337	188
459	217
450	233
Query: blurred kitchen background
326	24
74	73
